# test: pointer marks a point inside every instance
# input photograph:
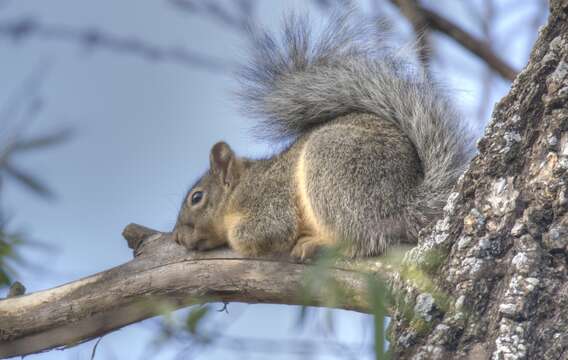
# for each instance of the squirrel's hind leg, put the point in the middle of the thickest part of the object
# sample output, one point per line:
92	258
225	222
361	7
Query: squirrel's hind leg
259	235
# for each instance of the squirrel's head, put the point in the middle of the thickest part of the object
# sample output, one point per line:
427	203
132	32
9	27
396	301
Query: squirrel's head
200	221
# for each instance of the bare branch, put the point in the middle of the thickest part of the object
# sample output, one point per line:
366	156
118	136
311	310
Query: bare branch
92	38
486	20
162	273
476	46
415	16
240	20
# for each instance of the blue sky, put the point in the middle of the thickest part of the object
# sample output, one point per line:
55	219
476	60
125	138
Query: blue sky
143	131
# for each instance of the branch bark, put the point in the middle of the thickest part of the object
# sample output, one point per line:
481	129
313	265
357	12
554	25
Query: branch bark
161	271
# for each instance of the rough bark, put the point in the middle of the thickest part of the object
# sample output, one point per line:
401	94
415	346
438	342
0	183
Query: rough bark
504	233
162	273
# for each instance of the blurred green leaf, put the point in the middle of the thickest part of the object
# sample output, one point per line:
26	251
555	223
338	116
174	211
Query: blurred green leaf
194	317
42	141
329	321
29	181
21	109
5	279
5	249
9	254
302	316
378	295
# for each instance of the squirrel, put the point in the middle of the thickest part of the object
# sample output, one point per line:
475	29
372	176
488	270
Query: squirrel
374	148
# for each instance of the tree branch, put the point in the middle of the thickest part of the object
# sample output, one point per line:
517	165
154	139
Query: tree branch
411	10
161	272
92	38
474	45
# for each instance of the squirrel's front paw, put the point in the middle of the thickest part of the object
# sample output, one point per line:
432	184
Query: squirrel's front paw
203	244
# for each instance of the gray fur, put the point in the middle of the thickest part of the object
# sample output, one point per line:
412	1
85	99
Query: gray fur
362	176
295	85
381	148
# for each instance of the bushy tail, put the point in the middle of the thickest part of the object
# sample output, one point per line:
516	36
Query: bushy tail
294	83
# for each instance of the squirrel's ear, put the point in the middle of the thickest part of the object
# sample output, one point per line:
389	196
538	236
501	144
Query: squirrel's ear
224	163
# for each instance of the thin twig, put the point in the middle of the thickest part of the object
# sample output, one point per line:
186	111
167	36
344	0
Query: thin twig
93	353
415	16
93	38
487	81
474	45
239	20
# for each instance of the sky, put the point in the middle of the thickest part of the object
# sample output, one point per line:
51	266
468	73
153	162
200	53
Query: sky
142	131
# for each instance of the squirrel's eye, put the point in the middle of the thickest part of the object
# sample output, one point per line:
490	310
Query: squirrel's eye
196	197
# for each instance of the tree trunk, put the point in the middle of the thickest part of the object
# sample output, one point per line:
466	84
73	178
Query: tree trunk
504	234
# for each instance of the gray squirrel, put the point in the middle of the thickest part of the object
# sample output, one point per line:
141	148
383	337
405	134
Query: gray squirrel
374	149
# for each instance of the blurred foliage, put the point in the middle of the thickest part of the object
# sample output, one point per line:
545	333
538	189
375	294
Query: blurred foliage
20	111
11	172
8	253
382	298
378	292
